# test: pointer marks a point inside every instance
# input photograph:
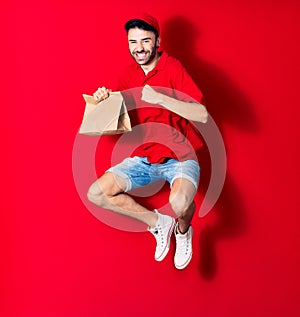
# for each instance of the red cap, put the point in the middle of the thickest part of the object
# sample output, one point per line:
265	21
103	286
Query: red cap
148	19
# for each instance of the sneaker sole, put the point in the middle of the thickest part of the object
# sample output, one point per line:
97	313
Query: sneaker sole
167	248
185	264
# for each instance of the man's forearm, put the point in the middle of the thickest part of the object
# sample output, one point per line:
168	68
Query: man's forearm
190	110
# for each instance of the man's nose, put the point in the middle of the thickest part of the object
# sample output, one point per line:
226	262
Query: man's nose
139	47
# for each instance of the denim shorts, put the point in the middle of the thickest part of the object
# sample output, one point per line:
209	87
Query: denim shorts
138	172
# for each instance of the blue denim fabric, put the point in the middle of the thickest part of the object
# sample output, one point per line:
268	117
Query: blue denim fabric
137	171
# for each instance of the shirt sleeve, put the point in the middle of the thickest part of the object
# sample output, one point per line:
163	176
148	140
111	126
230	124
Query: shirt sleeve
124	81
186	89
122	85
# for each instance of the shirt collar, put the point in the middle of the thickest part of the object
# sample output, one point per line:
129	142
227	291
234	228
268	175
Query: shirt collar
162	61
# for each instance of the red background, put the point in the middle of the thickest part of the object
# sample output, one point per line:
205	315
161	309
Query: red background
59	260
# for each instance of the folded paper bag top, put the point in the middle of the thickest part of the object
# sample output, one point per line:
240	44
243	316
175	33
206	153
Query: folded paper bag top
107	117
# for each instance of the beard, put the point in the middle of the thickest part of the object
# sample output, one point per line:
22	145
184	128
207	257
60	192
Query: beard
144	57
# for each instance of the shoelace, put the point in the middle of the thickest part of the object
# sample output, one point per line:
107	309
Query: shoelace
182	245
159	235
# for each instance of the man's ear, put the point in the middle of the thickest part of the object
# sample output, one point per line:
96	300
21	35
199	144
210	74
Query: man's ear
158	42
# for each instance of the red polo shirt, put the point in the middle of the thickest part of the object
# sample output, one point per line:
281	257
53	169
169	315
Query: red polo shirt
166	134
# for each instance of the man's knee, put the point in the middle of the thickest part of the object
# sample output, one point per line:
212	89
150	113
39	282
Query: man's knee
180	204
95	194
106	187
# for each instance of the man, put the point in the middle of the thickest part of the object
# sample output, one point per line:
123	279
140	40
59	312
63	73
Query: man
154	160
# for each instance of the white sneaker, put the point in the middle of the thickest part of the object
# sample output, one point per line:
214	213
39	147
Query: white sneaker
162	233
184	251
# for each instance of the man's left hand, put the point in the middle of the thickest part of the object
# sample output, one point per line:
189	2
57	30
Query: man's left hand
151	96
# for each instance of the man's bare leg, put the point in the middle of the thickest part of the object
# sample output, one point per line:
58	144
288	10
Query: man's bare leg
182	202
108	192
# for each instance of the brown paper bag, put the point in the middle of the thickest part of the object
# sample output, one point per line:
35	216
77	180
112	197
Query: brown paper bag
107	117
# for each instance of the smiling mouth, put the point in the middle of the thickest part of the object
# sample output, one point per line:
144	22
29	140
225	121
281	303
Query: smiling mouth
141	55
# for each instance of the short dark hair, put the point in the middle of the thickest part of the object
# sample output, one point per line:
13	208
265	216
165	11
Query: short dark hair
140	24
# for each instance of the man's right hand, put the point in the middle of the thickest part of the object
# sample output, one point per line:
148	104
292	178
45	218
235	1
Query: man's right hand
101	94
